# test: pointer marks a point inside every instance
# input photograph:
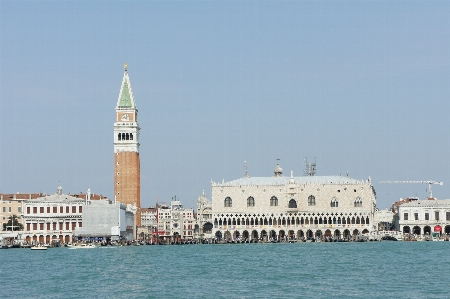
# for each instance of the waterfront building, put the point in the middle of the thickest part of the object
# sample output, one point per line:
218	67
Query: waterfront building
127	177
394	209
12	204
148	223
384	220
204	223
53	218
174	222
295	207
423	217
148	217
106	220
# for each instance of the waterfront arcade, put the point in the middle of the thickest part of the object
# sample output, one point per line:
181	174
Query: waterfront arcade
281	208
424	217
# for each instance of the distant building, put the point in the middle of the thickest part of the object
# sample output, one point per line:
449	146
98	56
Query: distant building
384	220
12	204
127	173
54	218
394	209
278	207
423	217
106	220
204	217
168	223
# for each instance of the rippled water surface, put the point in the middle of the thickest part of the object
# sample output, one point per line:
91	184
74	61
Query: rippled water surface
300	270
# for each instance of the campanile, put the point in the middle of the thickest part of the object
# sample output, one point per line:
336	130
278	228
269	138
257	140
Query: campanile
127	169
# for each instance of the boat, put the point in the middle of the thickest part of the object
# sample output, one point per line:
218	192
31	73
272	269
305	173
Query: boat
38	247
81	246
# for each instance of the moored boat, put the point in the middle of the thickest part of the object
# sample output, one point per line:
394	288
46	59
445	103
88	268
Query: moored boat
38	247
81	246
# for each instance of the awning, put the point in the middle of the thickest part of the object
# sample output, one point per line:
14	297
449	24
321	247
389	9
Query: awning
438	228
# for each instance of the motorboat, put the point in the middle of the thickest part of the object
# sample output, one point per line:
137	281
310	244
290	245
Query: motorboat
38	247
81	246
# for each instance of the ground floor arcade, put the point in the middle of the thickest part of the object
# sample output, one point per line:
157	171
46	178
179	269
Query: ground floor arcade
424	230
285	234
48	238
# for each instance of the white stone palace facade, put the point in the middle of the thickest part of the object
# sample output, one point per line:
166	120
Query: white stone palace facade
423	217
277	207
52	218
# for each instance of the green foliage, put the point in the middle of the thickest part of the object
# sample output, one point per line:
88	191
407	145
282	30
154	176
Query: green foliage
13	224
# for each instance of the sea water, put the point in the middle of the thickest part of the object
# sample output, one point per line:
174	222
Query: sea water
298	270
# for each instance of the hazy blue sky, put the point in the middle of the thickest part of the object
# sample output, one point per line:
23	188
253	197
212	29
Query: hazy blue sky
360	86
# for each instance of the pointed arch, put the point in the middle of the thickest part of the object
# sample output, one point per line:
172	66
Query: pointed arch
358	202
228	202
334	202
292	203
273	201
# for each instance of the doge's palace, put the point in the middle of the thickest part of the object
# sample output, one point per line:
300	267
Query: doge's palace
280	207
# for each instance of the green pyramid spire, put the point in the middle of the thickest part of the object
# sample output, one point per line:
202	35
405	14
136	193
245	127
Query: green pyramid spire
125	97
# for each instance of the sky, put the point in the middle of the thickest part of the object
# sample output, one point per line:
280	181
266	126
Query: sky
358	86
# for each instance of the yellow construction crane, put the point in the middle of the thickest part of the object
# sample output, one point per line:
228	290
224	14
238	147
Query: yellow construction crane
430	183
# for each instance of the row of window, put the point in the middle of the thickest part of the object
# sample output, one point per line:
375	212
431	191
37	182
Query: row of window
54	210
427	216
228	202
53	226
19	209
125	136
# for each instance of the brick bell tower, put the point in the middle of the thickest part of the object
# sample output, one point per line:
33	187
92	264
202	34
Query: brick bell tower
127	169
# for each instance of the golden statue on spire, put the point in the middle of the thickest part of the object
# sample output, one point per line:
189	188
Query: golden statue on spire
125	66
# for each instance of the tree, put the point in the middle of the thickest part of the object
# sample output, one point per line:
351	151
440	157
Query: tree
13	224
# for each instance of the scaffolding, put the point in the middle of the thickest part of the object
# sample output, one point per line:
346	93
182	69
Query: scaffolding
310	168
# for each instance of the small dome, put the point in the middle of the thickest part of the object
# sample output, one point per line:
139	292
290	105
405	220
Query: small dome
278	171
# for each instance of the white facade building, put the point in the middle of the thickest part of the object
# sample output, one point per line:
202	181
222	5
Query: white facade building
52	218
423	217
170	224
205	221
277	207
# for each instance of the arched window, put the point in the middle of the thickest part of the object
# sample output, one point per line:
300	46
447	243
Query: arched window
334	203
358	202
123	136
118	135
311	200
250	202
228	202
131	136
292	203
273	201
127	136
